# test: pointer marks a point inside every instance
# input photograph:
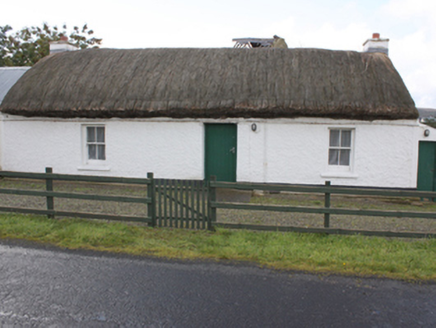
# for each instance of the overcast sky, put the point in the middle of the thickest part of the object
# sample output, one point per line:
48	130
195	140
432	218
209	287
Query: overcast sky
335	24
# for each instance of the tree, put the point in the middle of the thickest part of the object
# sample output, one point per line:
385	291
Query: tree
30	44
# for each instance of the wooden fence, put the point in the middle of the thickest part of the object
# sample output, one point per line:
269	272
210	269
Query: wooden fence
170	202
50	195
193	203
327	210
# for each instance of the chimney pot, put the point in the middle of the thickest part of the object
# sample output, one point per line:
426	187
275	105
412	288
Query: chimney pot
62	45
376	44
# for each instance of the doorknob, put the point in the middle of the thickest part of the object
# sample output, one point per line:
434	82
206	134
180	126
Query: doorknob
233	150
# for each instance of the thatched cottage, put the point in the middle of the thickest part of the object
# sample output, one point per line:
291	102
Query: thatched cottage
264	115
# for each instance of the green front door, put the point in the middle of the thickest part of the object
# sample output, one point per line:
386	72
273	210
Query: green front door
426	166
220	151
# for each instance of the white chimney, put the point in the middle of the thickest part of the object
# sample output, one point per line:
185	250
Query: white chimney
376	44
62	45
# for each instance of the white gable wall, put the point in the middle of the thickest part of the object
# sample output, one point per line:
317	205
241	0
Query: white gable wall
282	150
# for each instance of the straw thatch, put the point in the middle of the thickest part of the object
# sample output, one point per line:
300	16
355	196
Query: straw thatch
212	83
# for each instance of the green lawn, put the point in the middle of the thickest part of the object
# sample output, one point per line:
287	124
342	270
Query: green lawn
348	255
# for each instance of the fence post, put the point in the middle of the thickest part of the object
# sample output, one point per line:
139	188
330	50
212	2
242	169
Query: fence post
49	187
327	205
151	193
212	198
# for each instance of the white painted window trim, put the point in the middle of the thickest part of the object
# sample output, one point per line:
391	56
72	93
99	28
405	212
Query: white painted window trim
87	164
341	171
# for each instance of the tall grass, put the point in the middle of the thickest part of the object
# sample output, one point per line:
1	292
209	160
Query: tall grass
348	255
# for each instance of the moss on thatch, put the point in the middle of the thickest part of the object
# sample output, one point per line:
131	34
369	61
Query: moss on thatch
212	83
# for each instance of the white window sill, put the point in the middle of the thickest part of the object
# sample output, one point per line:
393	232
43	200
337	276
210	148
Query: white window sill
339	175
94	168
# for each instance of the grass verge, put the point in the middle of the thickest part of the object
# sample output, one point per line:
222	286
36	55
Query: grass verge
347	255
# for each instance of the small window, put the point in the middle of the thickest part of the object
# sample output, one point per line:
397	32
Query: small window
95	143
340	147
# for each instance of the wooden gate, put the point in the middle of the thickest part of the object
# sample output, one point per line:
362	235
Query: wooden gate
181	203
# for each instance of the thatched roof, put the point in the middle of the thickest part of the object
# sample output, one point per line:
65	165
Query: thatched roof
212	83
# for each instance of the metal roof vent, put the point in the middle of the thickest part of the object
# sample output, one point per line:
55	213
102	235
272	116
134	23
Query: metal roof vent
275	42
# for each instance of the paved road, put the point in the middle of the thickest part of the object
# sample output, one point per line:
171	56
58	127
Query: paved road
52	288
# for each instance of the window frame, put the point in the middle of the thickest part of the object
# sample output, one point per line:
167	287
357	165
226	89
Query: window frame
338	167
86	144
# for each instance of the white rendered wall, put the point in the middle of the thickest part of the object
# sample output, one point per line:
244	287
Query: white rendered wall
282	150
296	151
133	148
431	133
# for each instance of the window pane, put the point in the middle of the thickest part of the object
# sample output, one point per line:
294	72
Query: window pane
92	152
346	139
333	157
345	157
334	138
100	134
101	152
90	134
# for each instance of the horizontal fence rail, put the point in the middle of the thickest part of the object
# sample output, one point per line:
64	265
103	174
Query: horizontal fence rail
52	213
324	189
73	177
75	196
323	210
327	190
50	195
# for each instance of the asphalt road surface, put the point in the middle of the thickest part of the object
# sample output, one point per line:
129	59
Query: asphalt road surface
54	288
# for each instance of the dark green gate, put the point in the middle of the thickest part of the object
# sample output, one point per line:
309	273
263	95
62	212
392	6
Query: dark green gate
426	166
220	151
181	203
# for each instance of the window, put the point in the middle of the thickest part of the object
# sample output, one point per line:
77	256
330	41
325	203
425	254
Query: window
95	143
340	147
